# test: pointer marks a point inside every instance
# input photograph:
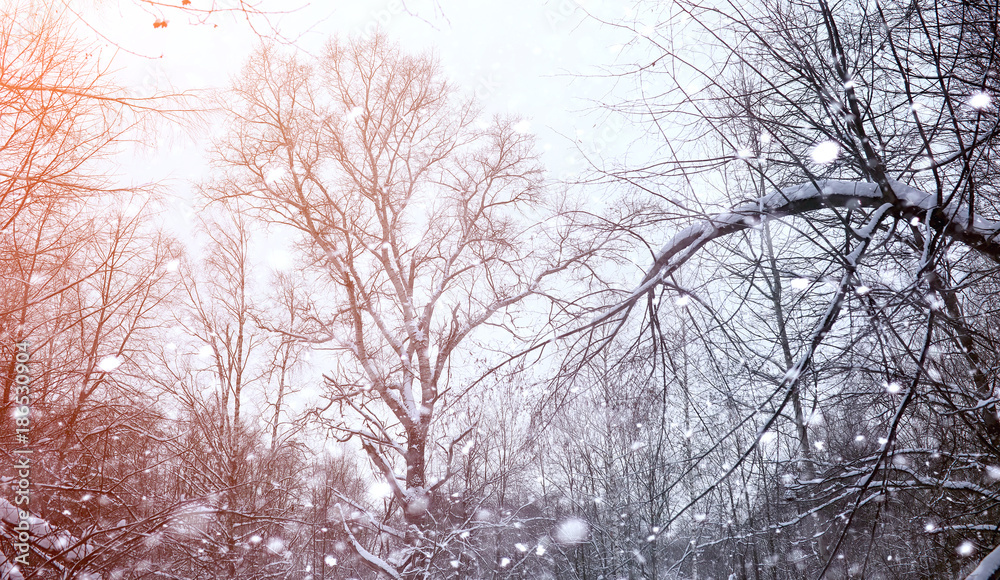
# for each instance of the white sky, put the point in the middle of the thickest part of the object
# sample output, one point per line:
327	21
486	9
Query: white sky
522	57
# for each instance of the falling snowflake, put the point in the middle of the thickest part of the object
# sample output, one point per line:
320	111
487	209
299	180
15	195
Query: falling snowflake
825	152
276	545
571	531
966	548
380	490
979	101
109	363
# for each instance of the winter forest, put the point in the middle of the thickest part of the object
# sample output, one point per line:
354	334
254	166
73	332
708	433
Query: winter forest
726	305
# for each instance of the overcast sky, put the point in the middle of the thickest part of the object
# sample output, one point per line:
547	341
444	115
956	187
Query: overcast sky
523	57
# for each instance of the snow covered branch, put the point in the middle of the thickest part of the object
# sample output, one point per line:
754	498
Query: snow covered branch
980	235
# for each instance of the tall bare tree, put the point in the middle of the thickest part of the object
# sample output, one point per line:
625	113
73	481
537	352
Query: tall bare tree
862	134
418	224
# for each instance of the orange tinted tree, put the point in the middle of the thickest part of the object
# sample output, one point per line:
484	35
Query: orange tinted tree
82	276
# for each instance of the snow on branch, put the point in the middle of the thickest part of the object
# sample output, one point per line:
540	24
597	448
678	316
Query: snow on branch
989	568
46	538
373	561
980	234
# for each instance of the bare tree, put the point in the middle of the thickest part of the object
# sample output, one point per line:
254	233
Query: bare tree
418	225
862	135
83	277
88	310
243	481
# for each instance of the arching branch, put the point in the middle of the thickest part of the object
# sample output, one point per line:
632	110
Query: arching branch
802	199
